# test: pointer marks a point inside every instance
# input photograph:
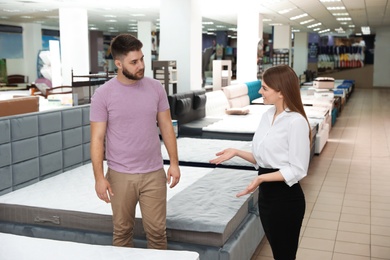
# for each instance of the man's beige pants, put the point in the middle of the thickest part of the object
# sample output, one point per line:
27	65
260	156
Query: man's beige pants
150	190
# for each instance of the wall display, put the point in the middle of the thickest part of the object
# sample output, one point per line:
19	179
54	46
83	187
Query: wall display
280	56
313	50
11	46
166	73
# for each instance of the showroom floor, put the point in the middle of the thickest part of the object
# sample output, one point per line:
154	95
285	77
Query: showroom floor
348	186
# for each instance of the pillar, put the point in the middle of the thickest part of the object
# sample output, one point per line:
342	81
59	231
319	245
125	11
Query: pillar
74	43
300	52
181	40
249	27
145	36
32	38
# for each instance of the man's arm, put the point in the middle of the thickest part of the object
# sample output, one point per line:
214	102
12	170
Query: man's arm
168	135
98	133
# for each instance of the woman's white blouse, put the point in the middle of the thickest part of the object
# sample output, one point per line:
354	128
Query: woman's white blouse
283	145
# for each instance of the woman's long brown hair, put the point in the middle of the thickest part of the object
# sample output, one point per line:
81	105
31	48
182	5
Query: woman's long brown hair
282	78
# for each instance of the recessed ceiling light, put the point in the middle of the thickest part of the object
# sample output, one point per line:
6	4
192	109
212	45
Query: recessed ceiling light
307	21
11	10
324	31
336	8
299	16
138	15
340	14
285	11
314	25
344	19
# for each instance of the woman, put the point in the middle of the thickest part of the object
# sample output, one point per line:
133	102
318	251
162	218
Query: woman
281	154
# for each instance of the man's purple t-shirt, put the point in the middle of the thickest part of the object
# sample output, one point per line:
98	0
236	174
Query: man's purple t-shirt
132	139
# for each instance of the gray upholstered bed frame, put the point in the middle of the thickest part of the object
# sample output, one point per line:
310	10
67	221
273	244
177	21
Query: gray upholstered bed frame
39	145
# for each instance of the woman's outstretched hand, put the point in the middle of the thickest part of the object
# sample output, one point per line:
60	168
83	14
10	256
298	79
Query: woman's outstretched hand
250	188
224	155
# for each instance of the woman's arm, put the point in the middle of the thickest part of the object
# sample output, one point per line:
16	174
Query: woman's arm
269	177
229	153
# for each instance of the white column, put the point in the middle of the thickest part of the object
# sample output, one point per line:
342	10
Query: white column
381	75
74	43
282	38
300	52
248	23
181	40
32	39
144	35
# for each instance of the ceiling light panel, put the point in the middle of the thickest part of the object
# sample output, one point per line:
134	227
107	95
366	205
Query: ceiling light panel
336	8
340	14
299	16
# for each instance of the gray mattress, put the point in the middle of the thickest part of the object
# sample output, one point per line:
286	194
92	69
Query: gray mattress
199	151
202	210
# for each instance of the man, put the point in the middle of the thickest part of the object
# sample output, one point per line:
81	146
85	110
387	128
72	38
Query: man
123	116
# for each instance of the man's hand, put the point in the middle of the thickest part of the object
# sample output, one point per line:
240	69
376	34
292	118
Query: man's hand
173	176
103	190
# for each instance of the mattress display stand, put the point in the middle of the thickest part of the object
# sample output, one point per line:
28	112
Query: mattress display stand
166	73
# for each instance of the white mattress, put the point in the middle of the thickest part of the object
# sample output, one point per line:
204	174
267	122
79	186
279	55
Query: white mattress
21	247
201	151
247	124
74	190
242	124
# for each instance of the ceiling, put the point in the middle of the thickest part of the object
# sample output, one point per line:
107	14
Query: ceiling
122	15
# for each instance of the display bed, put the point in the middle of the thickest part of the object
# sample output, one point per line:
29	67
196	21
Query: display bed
203	213
38	248
199	151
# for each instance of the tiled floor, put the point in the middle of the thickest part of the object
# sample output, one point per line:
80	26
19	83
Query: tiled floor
348	186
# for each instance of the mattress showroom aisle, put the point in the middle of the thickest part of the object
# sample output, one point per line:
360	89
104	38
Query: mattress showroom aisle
348	186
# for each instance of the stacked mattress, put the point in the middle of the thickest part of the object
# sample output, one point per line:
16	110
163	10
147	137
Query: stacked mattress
203	213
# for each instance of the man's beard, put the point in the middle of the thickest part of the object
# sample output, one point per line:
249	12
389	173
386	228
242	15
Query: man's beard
131	76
